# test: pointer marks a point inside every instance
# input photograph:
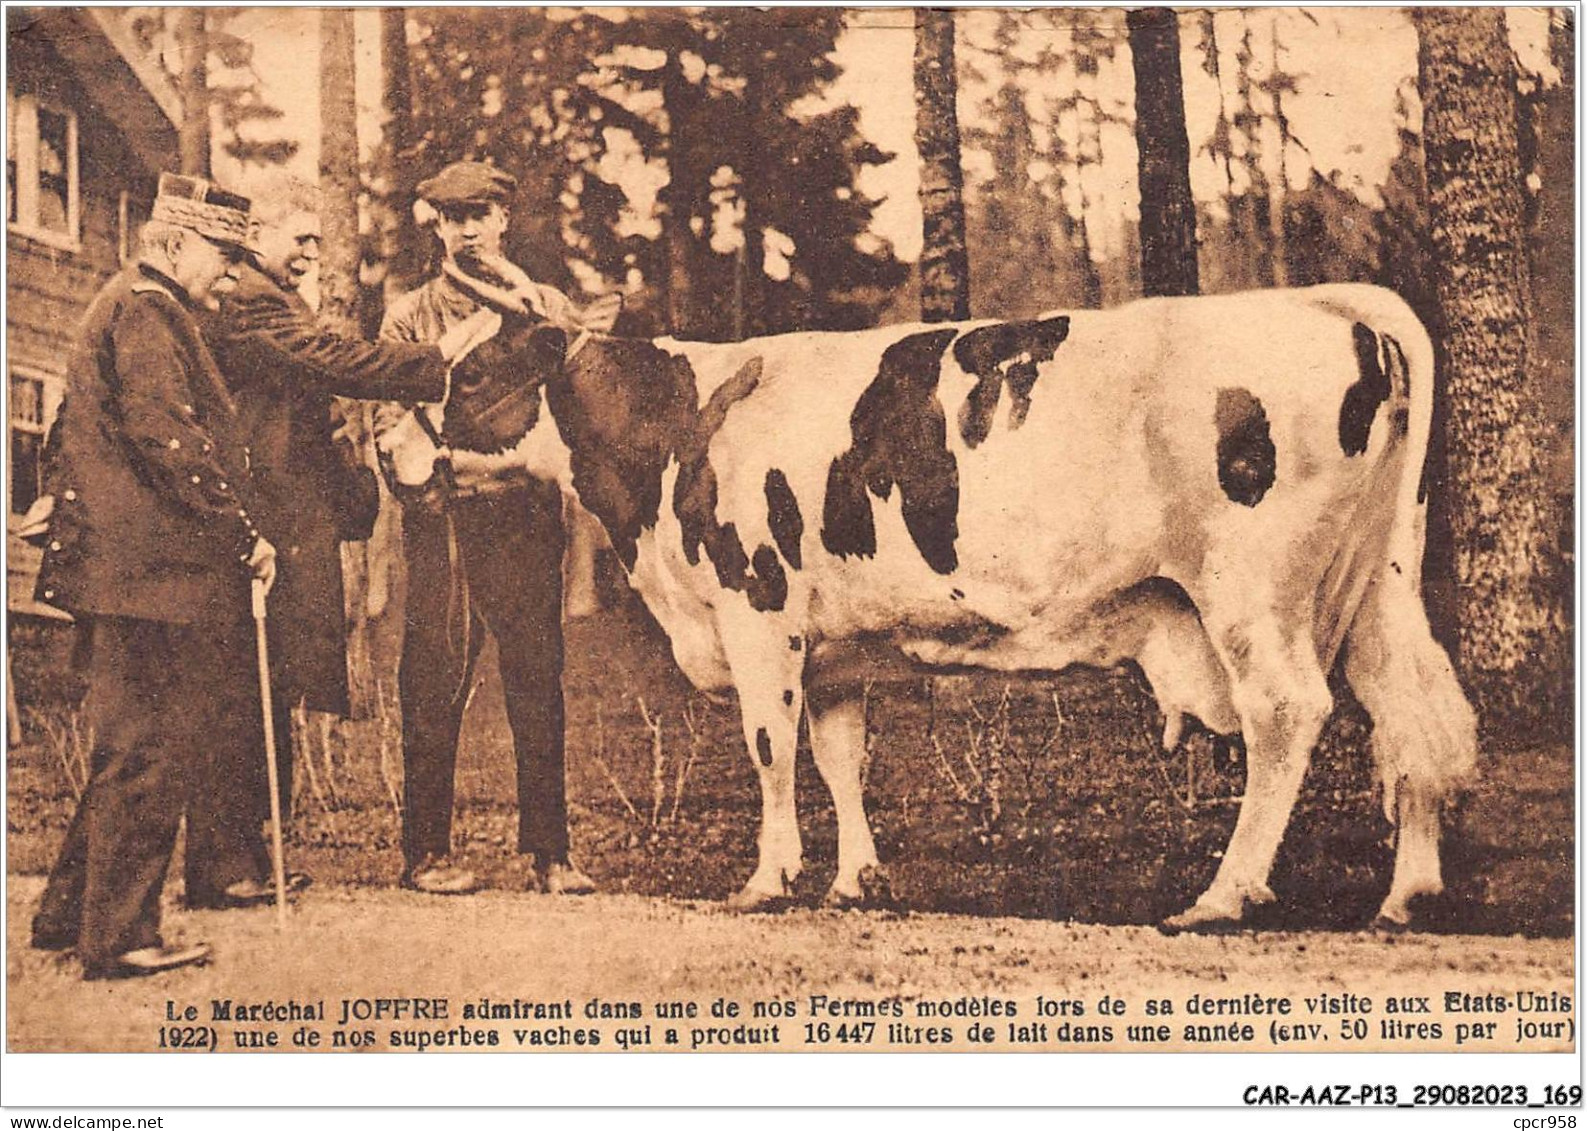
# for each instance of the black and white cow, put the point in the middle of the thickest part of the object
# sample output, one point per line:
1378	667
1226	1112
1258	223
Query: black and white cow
1226	490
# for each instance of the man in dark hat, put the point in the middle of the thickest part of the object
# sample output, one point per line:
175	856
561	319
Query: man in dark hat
152	547
283	368
488	555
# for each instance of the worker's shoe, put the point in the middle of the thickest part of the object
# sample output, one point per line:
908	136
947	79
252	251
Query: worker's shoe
246	893
438	876
148	960
564	878
252	893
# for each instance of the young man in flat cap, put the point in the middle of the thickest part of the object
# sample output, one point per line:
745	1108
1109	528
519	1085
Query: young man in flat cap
283	367
489	555
152	547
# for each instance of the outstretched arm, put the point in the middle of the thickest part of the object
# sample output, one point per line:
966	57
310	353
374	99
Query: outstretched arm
269	338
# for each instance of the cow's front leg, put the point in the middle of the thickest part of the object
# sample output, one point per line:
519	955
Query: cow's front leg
837	741
767	663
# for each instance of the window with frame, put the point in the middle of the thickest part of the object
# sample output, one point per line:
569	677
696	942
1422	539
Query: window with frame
28	405
42	189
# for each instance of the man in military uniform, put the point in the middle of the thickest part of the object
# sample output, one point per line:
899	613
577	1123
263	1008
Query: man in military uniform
152	546
492	550
283	368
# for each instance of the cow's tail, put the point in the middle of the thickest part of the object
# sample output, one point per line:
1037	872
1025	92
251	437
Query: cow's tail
1424	729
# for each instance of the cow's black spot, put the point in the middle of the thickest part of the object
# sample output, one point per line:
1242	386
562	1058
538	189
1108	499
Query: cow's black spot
795	644
622	414
694	493
787	697
726	553
1247	460
783	517
847	527
763	745
900	436
1371	389
768	588
1008	351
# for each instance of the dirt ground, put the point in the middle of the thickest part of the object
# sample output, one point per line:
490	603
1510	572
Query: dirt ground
501	946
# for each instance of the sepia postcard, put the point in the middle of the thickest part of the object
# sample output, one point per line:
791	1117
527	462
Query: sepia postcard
794	530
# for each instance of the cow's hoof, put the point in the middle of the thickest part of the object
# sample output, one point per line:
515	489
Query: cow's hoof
753	897
1400	915
1216	916
1201	922
873	890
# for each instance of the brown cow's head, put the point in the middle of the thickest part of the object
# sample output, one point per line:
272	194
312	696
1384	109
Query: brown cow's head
496	389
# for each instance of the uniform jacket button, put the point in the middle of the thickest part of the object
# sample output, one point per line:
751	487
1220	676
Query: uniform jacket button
71	496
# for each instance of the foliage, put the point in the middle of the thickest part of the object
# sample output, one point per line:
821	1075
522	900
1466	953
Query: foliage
1032	213
755	224
233	87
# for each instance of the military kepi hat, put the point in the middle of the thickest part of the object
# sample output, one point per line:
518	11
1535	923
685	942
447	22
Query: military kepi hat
468	182
199	206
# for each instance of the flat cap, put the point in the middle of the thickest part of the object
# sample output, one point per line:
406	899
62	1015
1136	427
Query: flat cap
468	182
196	204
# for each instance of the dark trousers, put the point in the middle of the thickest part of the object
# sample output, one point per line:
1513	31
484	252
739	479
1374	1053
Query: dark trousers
508	549
161	697
229	806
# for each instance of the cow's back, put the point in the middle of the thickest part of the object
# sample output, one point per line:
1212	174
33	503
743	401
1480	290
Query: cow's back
1163	438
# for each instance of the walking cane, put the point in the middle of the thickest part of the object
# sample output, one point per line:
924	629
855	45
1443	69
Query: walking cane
277	855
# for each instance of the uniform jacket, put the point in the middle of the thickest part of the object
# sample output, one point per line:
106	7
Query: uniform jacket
153	514
283	368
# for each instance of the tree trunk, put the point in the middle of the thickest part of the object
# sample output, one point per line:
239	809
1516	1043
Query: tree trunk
679	199
193	136
749	315
339	183
944	260
339	293
404	260
944	252
1509	619
1168	212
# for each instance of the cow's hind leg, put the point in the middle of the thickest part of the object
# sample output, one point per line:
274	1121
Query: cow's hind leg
837	740
1424	734
768	669
1280	693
